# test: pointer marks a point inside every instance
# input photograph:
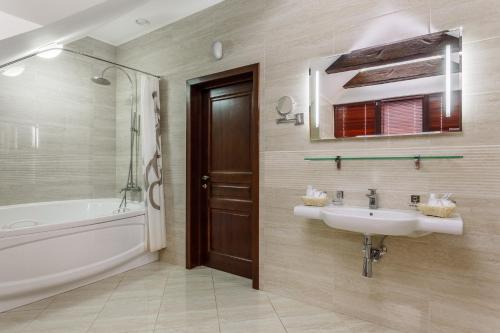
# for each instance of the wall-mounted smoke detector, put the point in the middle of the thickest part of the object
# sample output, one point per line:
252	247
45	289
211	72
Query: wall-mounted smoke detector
142	22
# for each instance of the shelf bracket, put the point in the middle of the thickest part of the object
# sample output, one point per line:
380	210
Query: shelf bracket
417	161
338	162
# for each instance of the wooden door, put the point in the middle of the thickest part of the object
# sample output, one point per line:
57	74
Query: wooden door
227	178
223	173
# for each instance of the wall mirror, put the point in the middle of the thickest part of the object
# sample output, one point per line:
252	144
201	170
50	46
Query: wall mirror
285	106
410	87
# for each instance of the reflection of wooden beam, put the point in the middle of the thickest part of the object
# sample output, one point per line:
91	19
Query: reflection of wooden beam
409	49
415	70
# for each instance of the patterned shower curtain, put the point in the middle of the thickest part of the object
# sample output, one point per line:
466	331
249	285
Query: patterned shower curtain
152	164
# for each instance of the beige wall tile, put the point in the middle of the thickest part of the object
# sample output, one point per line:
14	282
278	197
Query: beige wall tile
422	285
75	157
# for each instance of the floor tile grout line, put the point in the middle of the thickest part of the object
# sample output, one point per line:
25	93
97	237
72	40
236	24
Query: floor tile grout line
162	300
106	301
52	300
276	312
215	299
38	314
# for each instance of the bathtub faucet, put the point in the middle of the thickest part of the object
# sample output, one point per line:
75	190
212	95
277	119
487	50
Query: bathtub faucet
128	188
131	189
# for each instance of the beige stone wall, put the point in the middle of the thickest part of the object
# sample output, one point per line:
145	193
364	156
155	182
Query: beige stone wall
75	156
437	283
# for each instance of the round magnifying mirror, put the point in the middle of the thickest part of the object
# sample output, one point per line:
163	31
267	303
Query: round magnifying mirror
285	105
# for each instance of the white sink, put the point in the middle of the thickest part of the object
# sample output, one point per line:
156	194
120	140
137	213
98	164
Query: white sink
381	221
370	221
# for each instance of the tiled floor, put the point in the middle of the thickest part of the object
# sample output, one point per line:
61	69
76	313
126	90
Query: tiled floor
161	298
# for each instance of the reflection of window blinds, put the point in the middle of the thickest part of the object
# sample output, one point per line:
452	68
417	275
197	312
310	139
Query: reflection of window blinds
355	120
437	121
402	117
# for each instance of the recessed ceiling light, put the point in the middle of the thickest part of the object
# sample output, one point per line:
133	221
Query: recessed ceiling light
50	51
13	71
142	21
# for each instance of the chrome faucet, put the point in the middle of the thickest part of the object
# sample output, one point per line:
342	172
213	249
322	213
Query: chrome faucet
339	201
372	198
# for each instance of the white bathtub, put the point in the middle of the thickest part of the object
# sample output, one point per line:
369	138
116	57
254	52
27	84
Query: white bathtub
49	248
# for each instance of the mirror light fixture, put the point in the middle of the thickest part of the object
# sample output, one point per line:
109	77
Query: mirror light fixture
448	81
50	51
316	99
35	136
13	71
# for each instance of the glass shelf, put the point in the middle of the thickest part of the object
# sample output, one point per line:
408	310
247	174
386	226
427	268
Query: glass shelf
415	158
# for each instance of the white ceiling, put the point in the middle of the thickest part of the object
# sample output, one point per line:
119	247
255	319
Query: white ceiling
17	17
46	11
12	25
158	12
20	16
26	36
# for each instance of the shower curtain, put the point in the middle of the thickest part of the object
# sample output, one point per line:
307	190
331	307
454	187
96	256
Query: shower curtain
151	159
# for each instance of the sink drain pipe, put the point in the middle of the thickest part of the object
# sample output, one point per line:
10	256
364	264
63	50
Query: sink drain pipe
371	255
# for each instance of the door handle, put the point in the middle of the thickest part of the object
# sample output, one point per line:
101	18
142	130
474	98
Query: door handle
205	179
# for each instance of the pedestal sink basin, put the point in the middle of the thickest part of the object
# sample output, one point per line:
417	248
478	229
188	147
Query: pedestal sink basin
381	221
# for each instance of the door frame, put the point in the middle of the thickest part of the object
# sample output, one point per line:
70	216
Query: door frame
194	91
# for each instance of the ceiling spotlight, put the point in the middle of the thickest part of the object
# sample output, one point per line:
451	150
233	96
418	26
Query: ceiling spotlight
142	22
50	51
13	71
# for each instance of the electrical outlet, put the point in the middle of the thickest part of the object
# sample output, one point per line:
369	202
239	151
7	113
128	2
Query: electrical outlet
415	199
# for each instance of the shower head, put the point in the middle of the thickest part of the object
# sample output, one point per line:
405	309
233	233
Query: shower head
100	80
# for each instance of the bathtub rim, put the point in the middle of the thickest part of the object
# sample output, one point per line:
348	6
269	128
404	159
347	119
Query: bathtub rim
7	233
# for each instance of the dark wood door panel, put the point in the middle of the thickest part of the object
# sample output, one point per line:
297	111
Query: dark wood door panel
230	168
233	265
223	172
231	177
230	133
232	204
242	192
230	233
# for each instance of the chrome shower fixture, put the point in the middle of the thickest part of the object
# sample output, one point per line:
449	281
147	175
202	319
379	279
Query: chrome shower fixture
132	184
101	81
